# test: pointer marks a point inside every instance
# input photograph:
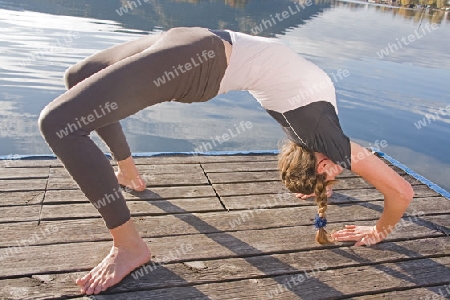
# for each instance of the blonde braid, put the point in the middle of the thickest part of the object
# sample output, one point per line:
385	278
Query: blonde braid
322	237
298	173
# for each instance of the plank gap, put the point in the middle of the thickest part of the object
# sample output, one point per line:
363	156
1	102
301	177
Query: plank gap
43	197
210	183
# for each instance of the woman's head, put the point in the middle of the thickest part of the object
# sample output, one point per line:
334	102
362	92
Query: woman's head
307	172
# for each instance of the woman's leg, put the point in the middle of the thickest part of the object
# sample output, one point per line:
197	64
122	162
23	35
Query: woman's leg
112	134
110	95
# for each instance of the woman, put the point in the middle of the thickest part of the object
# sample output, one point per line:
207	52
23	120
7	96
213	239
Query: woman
194	65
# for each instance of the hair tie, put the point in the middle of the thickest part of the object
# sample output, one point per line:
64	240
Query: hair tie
320	222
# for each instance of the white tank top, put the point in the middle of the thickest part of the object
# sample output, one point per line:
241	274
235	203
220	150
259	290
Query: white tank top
279	78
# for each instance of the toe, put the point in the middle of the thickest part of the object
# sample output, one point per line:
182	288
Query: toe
141	188
91	288
87	286
98	288
82	281
106	284
139	185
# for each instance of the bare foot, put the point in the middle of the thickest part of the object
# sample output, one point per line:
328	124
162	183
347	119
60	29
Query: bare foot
128	175
133	182
120	261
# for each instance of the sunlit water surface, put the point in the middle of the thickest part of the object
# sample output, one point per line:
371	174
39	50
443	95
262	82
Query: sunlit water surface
382	98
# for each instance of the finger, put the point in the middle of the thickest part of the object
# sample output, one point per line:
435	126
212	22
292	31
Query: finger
301	196
349	238
350	226
342	233
345	231
346	239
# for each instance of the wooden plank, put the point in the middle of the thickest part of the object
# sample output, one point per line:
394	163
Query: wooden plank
240	166
440	292
156	193
30	163
174	179
238	189
236	158
440	221
31	234
23	185
137	208
21	198
58	286
19	213
175	192
156	160
170	168
286	198
151	169
251	176
325	284
320	284
204	159
23	173
240	177
421	191
222	270
152	180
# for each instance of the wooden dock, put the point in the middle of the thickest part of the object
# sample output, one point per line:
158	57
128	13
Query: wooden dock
219	227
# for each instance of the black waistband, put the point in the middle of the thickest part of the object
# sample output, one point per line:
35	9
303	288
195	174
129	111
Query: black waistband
224	35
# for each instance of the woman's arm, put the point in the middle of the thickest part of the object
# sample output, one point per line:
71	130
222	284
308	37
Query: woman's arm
397	192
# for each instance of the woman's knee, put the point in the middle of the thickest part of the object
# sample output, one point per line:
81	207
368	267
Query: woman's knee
53	124
80	71
46	122
75	74
71	76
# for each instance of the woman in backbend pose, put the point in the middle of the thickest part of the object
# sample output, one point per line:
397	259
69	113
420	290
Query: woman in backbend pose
194	65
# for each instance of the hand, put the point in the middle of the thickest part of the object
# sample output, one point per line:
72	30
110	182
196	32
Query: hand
304	197
363	235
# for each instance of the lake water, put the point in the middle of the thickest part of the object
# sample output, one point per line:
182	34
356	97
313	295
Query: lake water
397	72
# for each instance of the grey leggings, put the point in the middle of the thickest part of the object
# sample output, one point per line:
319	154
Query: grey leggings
185	64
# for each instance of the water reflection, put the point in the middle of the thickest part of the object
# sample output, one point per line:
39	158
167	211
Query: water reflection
241	15
416	15
159	14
